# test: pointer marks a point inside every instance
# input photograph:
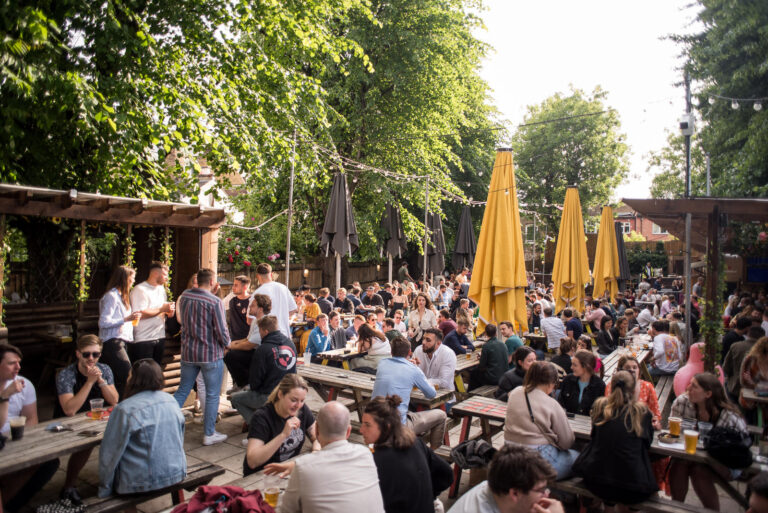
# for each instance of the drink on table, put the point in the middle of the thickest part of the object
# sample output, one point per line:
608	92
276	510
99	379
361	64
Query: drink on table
691	439
97	409
674	426
271	494
17	427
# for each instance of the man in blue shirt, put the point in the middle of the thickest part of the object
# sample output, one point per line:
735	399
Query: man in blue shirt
573	327
457	339
398	376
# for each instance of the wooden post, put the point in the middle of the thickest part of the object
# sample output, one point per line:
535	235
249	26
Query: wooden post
81	285
2	264
711	313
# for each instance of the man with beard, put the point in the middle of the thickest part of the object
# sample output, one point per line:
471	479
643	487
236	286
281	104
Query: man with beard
438	362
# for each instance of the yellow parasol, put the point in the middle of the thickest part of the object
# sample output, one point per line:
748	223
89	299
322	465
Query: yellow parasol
606	269
571	270
498	275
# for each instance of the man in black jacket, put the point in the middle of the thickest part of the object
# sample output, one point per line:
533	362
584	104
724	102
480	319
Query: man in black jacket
273	359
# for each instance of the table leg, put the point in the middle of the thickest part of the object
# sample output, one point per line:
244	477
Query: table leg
645	372
358	403
730	489
345	364
332	393
485	424
459	381
464	434
177	497
325	361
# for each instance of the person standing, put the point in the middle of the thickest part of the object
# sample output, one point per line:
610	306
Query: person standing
238	358
283	304
236	308
150	299
204	337
116	324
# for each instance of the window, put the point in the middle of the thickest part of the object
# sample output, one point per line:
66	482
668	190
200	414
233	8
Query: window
658	230
530	232
625	228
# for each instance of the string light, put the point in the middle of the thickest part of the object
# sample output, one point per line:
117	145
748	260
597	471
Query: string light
735	105
758	106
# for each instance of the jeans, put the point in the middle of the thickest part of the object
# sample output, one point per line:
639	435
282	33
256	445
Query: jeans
149	349
212	375
113	353
561	460
247	401
239	364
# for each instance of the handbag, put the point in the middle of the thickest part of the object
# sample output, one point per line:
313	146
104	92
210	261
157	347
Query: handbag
730	447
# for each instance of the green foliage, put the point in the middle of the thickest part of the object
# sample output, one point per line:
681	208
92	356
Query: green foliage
634	236
711	323
586	151
727	58
668	166
637	258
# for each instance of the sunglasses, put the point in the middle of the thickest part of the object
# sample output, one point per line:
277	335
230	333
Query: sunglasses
88	354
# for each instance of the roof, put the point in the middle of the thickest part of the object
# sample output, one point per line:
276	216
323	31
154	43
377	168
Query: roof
670	213
38	201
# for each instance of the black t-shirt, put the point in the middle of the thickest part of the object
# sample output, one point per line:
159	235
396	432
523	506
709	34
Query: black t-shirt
238	311
267	424
574	325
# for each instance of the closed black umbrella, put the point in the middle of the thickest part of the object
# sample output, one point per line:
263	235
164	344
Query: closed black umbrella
339	231
395	243
623	262
436	247
465	247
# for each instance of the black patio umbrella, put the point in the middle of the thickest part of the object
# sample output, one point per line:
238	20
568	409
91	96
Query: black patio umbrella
395	243
339	231
465	247
623	262
436	247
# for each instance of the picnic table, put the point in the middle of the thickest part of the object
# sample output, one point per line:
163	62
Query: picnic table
611	363
342	355
465	363
762	401
39	445
536	341
329	381
491	412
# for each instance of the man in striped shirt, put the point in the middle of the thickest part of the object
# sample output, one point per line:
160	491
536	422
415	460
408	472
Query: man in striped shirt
204	339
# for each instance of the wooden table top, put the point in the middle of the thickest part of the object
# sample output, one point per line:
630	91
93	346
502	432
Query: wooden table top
464	364
533	336
340	355
39	445
341	378
749	393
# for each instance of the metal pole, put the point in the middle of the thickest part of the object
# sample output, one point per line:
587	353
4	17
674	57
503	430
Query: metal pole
290	215
687	138
708	178
533	252
338	271
389	272
426	227
688	283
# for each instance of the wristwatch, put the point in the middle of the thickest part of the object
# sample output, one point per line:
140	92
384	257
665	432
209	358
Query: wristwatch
4	399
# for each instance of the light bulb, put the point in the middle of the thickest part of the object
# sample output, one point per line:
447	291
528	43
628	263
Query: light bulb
758	106
735	105
711	100
480	173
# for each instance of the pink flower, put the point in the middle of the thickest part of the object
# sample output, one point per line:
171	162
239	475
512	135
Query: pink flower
248	248
762	236
237	252
229	239
230	259
253	218
246	263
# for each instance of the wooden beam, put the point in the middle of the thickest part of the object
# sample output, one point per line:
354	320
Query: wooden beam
2	260
81	285
712	305
209	219
139	207
22	197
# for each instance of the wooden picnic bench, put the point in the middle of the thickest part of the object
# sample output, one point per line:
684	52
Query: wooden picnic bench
484	391
665	393
342	356
197	475
611	363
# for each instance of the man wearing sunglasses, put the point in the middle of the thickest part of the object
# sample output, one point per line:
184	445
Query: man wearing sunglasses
76	385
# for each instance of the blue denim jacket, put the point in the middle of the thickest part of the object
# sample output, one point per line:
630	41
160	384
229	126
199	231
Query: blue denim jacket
143	446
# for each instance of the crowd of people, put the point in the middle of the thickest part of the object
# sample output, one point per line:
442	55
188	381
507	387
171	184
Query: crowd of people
412	334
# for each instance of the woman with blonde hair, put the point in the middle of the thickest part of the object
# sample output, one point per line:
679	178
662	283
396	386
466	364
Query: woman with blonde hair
116	324
615	465
277	430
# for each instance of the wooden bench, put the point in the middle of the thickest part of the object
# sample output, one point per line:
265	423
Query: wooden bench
654	504
197	475
665	392
485	390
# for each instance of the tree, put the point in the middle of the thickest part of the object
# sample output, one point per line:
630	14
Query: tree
668	166
634	236
727	59
569	140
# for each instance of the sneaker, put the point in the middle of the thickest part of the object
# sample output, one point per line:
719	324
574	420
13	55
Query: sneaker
72	495
215	438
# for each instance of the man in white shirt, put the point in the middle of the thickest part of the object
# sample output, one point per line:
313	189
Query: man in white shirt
283	304
764	324
399	324
149	298
553	328
339	478
18	398
645	317
517	483
666	350
438	362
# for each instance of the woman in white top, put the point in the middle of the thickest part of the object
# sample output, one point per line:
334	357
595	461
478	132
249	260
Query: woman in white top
375	343
421	318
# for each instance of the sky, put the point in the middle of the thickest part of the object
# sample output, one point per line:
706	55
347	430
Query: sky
544	46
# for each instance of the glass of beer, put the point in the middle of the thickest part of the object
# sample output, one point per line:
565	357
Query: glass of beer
271	495
97	409
674	426
17	427
135	320
691	439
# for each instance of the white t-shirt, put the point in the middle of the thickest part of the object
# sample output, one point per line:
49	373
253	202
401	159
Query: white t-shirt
401	327
254	335
145	296
666	352
282	303
18	401
554	329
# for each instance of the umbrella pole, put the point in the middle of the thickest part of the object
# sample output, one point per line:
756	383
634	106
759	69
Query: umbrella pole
389	272
338	271
426	227
290	216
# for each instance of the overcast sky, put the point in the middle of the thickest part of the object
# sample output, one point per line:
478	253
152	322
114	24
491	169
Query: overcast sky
543	46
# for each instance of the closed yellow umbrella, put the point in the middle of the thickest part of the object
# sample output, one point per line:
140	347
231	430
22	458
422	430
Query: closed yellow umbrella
571	270
498	275
606	269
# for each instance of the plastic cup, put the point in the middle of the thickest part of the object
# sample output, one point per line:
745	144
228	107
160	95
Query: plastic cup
135	320
674	426
17	427
307	359
469	356
271	495
691	439
97	408
704	429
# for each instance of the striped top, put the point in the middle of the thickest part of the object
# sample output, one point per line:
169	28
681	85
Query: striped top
204	332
